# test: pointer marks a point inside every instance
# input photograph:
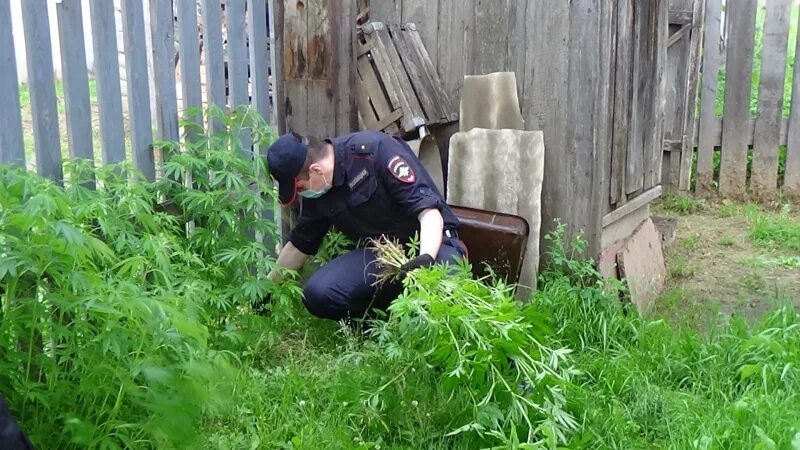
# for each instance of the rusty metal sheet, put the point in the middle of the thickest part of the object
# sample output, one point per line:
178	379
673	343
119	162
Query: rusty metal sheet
493	239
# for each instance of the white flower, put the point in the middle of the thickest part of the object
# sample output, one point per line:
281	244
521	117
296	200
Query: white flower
302	403
414	403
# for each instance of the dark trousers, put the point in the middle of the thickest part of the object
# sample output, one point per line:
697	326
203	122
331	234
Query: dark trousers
342	289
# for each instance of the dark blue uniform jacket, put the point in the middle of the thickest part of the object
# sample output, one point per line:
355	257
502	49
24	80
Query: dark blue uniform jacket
379	187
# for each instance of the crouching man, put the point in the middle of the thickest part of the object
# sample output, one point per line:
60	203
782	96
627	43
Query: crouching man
366	184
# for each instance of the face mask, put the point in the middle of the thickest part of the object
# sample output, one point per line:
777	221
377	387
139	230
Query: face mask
316	194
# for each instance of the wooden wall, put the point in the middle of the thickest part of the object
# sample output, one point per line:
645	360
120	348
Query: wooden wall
315	40
601	131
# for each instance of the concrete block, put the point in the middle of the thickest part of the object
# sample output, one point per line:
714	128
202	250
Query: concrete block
641	264
490	101
501	170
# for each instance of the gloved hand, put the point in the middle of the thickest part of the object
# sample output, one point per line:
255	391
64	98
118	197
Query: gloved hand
423	260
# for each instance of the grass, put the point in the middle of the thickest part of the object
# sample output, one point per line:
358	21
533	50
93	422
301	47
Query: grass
680	203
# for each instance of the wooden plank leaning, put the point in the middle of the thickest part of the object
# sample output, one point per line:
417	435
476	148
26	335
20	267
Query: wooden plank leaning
695	44
791	180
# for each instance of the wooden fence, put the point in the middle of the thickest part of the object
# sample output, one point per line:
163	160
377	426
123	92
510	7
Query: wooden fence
745	152
237	60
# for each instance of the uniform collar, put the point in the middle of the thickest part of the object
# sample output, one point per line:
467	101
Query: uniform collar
339	161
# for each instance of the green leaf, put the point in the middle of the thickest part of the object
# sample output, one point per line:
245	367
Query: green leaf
748	370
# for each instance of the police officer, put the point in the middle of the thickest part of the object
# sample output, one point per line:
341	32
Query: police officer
366	184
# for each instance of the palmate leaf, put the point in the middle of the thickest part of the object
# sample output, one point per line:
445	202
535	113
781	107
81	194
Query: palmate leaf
8	266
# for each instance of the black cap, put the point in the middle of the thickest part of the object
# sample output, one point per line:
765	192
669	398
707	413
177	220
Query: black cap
285	159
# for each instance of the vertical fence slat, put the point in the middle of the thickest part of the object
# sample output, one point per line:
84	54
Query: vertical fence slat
712	60
738	78
162	29
791	180
634	169
42	89
138	87
491	19
622	99
687	147
238	64
12	147
75	77
764	178
452	49
259	60
425	13
109	95
654	134
214	59
321	111
236	52
190	64
343	62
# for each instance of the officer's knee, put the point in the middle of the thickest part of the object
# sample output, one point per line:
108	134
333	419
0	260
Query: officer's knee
318	301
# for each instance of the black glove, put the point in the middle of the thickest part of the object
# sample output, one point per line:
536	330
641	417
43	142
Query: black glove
423	260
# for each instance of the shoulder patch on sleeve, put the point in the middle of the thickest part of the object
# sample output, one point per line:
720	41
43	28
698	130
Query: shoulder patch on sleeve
402	170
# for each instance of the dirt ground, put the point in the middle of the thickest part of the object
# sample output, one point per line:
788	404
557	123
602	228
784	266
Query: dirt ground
716	271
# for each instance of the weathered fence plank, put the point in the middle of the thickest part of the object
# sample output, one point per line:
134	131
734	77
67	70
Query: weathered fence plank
163	32
585	53
237	53
634	170
791	180
41	83
190	66
75	78
712	60
622	101
141	121
544	111
413	66
424	13
214	59
451	48
388	11
275	58
738	73
296	44
675	104
12	147
343	73
654	134
109	93
764	175
321	111
238	63
515	54
695	44
259	58
491	19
